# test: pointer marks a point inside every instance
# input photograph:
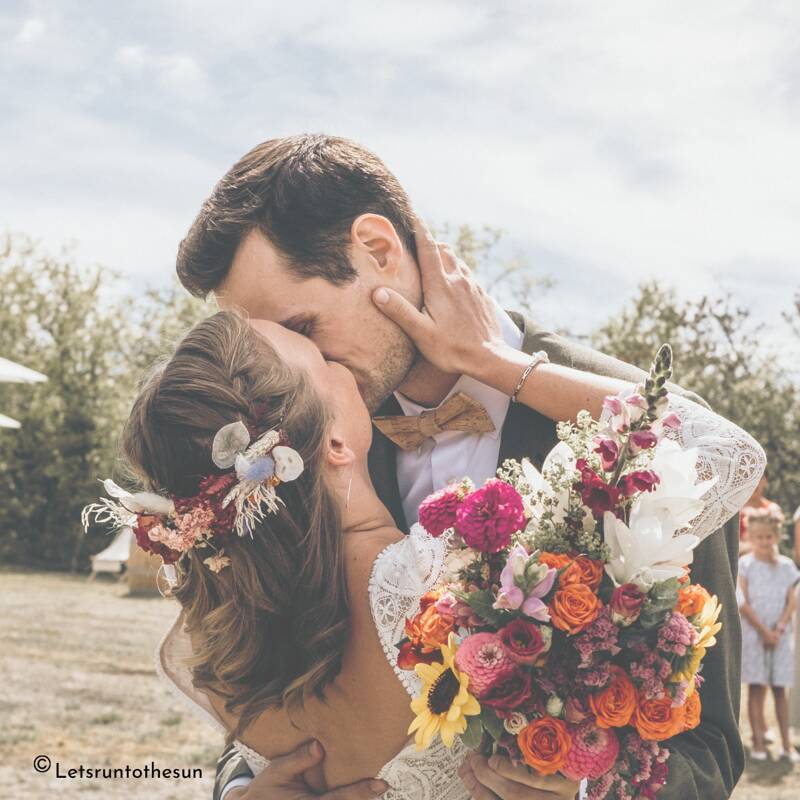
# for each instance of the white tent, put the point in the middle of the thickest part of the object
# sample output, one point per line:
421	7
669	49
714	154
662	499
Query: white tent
116	555
16	373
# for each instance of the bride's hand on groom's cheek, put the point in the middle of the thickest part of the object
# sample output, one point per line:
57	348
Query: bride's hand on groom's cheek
496	777
283	780
458	325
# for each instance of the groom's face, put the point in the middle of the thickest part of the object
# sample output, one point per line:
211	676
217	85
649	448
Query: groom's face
341	320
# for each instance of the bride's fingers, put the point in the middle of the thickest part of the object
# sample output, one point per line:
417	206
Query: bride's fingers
498	785
476	790
555	784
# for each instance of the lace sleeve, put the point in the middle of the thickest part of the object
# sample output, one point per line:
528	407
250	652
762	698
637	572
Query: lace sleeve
725	452
402	573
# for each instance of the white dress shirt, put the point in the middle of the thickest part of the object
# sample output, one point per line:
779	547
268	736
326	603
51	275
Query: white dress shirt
453	455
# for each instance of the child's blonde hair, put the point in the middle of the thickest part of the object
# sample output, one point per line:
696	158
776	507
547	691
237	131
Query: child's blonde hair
771	517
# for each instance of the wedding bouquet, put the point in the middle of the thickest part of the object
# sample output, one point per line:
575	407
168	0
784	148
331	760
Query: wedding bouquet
566	632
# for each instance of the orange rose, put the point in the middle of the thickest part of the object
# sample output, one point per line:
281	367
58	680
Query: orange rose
545	744
614	705
691	599
692	711
584	570
574	608
656	720
554	560
425	632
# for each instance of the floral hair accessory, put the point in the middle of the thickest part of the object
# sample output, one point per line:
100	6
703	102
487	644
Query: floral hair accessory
233	500
259	466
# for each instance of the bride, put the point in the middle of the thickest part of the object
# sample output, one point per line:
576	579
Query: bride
286	634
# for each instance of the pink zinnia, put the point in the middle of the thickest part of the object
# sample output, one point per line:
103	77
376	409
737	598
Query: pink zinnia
490	516
594	751
438	511
484	658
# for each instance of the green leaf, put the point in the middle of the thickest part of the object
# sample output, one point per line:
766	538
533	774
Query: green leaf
473	735
481	603
491	723
661	599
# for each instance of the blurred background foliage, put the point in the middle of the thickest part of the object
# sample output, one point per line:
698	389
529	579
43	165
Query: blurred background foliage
94	340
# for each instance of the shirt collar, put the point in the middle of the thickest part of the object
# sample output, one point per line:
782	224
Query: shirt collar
496	403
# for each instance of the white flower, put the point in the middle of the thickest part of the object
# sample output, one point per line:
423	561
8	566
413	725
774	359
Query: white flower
555	705
515	723
560	457
676	500
646	552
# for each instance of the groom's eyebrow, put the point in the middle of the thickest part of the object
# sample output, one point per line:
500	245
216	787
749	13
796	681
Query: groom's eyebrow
304	324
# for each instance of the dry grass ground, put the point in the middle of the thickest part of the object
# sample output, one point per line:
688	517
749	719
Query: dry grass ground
77	684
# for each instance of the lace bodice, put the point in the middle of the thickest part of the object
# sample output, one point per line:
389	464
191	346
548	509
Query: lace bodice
407	569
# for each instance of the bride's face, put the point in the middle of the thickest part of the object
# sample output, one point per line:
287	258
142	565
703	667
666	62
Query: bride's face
335	384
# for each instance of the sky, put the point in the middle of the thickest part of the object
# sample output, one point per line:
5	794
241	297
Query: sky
612	142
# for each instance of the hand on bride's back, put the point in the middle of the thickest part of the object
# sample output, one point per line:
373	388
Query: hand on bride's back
490	778
458	324
283	780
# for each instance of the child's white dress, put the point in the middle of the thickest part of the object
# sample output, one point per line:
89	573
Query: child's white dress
768	585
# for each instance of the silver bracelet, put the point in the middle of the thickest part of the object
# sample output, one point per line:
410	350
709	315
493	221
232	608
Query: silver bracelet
537	358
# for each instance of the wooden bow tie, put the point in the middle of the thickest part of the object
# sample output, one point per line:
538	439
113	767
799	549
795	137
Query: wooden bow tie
458	413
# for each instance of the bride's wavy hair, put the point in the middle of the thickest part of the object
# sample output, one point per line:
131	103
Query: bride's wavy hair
270	630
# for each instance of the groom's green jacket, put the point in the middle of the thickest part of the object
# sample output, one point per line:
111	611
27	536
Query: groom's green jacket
704	763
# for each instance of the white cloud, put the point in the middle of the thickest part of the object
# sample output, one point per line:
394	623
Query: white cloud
31	29
612	141
176	71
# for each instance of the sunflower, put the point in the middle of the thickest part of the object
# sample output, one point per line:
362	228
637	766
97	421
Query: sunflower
445	703
708	628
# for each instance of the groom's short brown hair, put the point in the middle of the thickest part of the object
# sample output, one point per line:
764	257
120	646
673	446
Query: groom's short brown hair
303	193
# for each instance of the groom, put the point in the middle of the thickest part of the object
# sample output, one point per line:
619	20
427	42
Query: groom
310	231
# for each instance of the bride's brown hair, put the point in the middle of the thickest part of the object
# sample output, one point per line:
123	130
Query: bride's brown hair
270	629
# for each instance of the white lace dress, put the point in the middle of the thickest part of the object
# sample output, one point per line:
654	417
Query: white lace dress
409	568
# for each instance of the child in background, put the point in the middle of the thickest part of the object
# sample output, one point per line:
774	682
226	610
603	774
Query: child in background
767	601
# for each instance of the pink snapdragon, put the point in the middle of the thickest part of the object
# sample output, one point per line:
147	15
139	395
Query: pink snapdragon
520	572
608	450
643	480
641	440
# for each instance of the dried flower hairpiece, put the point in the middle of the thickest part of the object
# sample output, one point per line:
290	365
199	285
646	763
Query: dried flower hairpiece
233	500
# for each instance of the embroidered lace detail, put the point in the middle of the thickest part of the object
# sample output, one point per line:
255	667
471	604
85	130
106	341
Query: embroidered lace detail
726	452
401	575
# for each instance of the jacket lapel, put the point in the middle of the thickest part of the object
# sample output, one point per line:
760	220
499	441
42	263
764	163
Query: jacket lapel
382	461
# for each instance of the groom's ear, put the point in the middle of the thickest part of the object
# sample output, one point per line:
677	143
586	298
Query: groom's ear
376	244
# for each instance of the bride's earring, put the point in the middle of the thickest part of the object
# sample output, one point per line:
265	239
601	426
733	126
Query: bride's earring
349	487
